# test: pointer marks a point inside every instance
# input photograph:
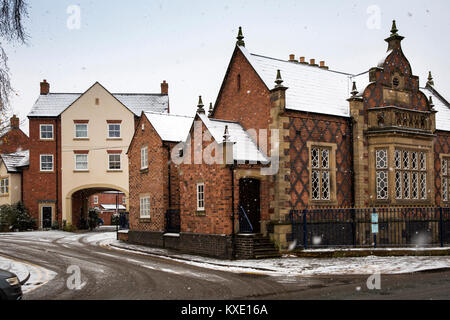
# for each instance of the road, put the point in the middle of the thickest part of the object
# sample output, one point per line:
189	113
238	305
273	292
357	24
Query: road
111	274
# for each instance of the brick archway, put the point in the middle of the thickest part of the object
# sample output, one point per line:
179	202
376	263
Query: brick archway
77	201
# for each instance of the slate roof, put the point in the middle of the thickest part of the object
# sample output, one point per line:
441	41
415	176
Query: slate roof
442	107
14	161
313	89
309	88
244	148
53	104
170	127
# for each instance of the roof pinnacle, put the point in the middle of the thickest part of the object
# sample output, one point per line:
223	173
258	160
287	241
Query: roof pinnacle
200	105
240	38
430	81
278	80
394	29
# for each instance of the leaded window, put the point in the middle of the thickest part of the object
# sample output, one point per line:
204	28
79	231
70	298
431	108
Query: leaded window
410	175
445	178
382	174
320	174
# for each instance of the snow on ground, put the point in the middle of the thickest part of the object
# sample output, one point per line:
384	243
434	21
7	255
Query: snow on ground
295	266
38	275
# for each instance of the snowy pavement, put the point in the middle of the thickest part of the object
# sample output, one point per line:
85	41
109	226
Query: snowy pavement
37	276
285	266
294	266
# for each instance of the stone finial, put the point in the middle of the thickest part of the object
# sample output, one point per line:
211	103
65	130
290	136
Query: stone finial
430	102
354	90
394	29
430	81
210	111
200	105
226	134
240	38
278	80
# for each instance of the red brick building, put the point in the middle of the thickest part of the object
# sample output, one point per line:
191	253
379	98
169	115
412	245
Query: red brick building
293	135
108	203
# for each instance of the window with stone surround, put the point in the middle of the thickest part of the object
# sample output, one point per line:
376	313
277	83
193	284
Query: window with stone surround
410	175
320	173
382	174
445	172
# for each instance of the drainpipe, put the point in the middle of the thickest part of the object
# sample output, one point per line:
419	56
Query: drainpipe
233	237
168	170
56	170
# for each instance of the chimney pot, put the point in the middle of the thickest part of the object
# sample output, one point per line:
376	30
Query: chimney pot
292	57
45	87
312	62
14	122
164	87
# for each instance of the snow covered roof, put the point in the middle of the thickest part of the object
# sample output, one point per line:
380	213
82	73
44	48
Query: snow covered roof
310	89
442	107
14	161
112	207
53	104
170	127
244	148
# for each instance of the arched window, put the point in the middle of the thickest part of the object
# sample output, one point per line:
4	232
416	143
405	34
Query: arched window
239	82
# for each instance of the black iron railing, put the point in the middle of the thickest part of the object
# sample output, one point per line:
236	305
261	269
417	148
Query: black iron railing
173	221
371	227
245	226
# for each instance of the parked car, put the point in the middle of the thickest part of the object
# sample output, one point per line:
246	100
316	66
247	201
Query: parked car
10	287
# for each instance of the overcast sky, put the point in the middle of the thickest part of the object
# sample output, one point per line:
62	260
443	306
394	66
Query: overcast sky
131	46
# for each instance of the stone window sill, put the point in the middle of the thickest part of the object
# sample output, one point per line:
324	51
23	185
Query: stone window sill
114	170
145	220
144	170
200	213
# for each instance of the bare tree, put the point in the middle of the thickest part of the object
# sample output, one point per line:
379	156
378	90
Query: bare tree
12	14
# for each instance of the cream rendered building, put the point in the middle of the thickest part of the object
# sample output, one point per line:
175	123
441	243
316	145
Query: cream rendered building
86	137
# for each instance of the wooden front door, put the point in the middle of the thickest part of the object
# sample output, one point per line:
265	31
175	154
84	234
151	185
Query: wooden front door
249	200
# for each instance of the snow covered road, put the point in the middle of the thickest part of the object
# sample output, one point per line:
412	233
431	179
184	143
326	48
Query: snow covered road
107	272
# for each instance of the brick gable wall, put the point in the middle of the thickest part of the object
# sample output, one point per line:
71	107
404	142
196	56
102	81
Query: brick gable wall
250	105
14	140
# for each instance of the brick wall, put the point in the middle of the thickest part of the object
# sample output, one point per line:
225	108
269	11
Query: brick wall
14	140
42	186
152	181
249	105
217	179
322	129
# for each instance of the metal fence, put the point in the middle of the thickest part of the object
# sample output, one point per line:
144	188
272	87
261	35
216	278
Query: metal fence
371	227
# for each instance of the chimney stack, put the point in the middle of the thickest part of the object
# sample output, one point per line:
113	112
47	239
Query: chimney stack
14	122
302	60
45	87
322	65
164	87
292	58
